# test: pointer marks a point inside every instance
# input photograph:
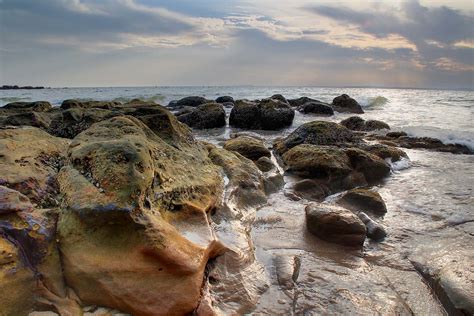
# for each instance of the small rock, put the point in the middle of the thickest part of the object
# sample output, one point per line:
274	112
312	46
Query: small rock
363	200
375	231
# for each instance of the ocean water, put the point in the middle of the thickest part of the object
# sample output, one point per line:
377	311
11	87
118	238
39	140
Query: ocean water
428	196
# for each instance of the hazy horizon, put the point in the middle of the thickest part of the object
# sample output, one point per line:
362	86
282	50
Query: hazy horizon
135	43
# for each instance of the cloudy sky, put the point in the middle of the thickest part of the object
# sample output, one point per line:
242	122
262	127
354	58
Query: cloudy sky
408	43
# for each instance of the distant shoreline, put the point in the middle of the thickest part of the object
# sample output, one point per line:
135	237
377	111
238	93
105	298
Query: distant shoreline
15	87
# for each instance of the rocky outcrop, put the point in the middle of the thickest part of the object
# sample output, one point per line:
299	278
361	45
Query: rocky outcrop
400	139
356	123
315	107
248	147
268	114
300	101
345	103
73	121
363	200
12	201
130	201
208	115
335	224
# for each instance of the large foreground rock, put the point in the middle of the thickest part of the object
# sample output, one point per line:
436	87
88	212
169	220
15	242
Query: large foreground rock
134	233
335	224
268	114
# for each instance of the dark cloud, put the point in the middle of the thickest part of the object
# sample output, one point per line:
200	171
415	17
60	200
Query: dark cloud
417	23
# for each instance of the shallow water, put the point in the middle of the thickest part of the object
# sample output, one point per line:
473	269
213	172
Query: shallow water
429	198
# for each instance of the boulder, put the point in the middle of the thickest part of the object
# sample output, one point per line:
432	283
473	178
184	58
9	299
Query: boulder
38	106
280	98
375	231
316	133
30	160
345	103
225	99
300	101
356	123
208	115
317	162
363	200
192	101
385	151
316	108
36	119
265	164
371	166
74	104
248	147
268	114
335	224
134	233
310	189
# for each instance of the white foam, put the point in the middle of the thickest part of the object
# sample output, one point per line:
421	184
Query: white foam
447	136
401	164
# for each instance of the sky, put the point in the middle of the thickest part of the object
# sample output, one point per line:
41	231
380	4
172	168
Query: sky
386	43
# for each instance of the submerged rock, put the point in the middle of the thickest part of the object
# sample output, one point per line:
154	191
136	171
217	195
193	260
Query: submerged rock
363	200
345	103
268	114
375	231
248	147
208	115
335	224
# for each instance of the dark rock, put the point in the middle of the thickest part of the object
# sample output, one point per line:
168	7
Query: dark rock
73	104
345	103
268	114
208	115
396	134
363	200
316	133
73	121
316	108
248	147
36	119
357	123
310	189
265	164
373	167
375	231
280	98
317	161
385	151
245	114
38	106
300	101
335	224
225	99
192	101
